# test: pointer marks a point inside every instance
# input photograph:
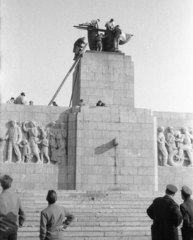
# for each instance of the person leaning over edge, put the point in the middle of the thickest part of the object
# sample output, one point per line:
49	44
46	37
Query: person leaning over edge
187	212
52	219
166	216
10	208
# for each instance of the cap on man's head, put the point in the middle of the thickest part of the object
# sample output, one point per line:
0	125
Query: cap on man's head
186	190
12	98
172	188
22	94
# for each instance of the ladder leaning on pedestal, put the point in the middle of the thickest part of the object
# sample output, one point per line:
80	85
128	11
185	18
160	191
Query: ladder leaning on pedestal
73	66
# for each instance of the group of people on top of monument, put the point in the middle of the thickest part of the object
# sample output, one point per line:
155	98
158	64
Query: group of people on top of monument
54	219
167	215
21	100
94	24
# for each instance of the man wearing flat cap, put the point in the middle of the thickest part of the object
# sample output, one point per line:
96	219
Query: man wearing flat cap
166	216
20	99
187	213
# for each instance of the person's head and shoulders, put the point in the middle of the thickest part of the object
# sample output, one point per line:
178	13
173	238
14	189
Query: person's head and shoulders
20	99
186	193
6	182
11	100
51	198
31	103
170	192
81	103
54	104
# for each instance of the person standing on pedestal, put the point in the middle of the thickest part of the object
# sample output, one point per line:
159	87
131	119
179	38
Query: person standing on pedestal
10	208
166	216
187	212
117	32
110	25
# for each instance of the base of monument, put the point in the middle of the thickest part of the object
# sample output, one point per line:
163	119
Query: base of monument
36	176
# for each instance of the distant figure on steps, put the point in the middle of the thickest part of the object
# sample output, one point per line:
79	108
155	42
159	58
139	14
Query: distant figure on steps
54	219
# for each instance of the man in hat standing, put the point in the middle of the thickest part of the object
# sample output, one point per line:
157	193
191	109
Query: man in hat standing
20	99
187	212
166	216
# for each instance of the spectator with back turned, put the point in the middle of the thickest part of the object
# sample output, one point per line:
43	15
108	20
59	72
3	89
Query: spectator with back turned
166	216
187	212
12	214
20	99
54	219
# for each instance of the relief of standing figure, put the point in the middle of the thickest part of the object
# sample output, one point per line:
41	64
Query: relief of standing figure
44	149
162	151
14	137
33	139
26	156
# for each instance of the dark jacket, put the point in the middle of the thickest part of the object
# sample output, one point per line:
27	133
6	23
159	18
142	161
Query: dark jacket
117	32
11	212
187	212
52	222
166	217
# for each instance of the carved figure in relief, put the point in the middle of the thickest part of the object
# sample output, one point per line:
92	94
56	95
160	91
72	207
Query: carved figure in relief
162	151
61	151
26	156
63	130
175	153
51	133
44	149
187	145
14	137
33	139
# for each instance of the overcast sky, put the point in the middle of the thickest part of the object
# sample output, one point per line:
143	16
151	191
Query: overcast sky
37	39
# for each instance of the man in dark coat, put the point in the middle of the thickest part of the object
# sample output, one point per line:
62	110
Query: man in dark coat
166	216
78	46
117	32
187	212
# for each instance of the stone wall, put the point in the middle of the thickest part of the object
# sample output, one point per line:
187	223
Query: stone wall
101	165
31	175
108	77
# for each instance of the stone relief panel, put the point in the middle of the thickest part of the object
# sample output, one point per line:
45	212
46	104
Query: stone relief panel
31	143
175	147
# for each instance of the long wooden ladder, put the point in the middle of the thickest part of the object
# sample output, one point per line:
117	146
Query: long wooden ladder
67	75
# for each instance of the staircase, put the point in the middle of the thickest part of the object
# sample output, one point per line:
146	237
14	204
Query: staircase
99	216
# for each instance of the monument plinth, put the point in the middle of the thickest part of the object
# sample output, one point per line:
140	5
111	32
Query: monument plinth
116	147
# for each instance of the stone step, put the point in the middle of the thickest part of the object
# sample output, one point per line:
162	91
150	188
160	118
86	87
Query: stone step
94	238
94	231
32	219
97	214
97	223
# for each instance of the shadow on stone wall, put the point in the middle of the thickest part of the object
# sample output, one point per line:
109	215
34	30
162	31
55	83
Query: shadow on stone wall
104	148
